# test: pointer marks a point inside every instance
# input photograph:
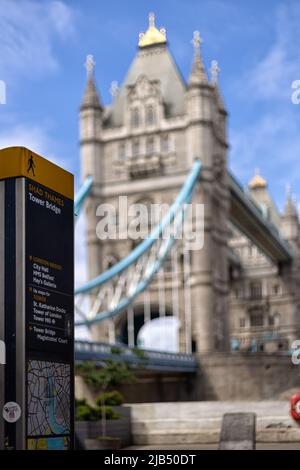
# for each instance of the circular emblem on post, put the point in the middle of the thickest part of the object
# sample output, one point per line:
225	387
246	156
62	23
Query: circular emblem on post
295	406
11	412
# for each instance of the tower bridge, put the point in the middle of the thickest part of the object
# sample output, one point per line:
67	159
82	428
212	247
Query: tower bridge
163	140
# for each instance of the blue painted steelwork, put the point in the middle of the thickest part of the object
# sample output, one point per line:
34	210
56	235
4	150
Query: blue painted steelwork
141	287
146	359
82	194
146	244
176	210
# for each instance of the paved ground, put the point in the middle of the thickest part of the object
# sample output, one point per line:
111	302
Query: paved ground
267	446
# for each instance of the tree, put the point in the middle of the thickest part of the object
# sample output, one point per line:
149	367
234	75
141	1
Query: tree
111	374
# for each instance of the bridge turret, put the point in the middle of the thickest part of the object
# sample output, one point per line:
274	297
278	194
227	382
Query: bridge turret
290	221
206	137
91	153
220	112
91	118
198	105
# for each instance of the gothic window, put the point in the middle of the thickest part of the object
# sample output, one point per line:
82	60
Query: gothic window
257	319
150	115
110	261
122	151
277	319
256	290
271	320
135	148
150	146
164	143
135	117
242	322
238	292
276	289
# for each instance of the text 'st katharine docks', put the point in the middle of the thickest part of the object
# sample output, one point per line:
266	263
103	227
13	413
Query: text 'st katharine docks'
36	302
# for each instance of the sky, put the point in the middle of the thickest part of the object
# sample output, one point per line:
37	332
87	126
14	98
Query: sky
44	43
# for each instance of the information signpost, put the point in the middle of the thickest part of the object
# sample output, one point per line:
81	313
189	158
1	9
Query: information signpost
36	302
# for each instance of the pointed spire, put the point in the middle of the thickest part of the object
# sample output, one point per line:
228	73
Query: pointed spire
290	208
214	71
114	89
198	75
90	97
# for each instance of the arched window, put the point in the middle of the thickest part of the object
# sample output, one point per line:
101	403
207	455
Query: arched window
150	146
150	115
110	261
135	117
135	148
256	290
122	151
271	320
276	319
164	143
276	289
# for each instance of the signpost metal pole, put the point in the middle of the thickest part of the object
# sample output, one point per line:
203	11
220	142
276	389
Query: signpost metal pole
36	302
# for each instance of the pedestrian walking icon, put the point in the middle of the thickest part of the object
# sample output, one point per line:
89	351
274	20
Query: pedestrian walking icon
31	165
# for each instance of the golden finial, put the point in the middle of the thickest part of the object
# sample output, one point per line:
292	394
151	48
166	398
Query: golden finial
152	35
257	181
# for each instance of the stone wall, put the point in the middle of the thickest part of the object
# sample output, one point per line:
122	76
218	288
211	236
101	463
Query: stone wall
232	376
244	376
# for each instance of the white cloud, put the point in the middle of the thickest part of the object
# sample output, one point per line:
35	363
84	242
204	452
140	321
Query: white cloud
272	75
35	137
271	143
62	18
271	139
32	137
28	29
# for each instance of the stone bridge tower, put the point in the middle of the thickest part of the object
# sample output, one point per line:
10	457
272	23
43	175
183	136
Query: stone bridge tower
142	146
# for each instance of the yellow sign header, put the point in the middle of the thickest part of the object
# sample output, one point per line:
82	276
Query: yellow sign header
20	161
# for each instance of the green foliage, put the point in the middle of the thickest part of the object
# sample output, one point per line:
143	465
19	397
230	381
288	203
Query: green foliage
139	353
113	398
112	374
94	413
84	413
116	350
80	402
84	367
107	438
109	412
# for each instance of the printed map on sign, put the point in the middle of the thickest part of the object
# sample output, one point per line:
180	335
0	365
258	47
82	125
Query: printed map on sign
48	398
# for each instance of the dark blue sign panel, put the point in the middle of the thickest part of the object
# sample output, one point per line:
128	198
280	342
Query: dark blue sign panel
49	318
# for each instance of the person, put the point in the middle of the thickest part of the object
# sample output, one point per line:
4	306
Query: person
31	165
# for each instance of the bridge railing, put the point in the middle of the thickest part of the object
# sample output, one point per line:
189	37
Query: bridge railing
145	358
